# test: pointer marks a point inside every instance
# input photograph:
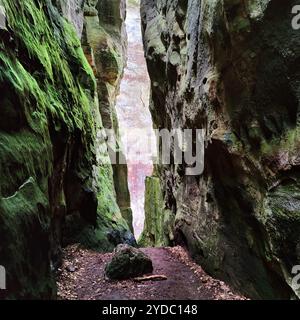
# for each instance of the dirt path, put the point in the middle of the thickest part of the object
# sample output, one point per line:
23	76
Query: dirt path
82	277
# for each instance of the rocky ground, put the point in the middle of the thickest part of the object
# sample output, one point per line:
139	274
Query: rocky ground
82	277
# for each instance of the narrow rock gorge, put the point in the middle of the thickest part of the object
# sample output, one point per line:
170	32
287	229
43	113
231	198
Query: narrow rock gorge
230	67
134	115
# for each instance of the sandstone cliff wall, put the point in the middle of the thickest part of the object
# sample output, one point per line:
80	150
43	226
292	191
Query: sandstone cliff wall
105	43
232	68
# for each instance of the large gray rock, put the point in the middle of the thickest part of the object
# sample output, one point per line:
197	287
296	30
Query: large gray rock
128	262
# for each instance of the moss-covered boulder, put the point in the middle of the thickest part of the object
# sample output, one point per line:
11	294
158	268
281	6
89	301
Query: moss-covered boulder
128	262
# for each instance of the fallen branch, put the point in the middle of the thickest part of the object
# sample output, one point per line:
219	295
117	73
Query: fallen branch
150	278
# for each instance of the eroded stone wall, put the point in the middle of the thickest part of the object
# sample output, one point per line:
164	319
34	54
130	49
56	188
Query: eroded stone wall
105	44
232	68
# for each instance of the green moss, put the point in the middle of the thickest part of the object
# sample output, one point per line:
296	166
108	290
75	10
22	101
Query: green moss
48	143
26	211
44	45
23	150
109	217
75	51
159	222
286	142
106	195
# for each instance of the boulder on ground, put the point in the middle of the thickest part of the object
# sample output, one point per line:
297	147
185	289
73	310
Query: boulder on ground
121	237
128	262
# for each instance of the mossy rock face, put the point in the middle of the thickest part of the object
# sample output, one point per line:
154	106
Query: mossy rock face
25	243
159	222
231	67
128	262
42	85
50	156
105	42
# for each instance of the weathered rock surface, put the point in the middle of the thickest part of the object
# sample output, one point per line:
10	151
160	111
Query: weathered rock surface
52	177
105	44
232	68
73	11
159	222
128	262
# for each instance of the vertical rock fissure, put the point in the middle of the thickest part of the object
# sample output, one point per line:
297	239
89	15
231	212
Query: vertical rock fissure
134	116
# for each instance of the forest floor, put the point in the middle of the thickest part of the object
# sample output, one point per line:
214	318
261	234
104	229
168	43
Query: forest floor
82	277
